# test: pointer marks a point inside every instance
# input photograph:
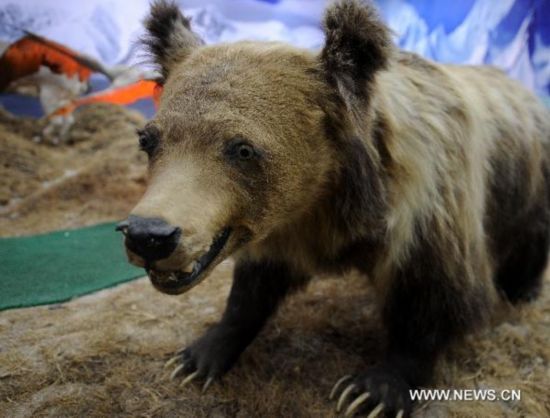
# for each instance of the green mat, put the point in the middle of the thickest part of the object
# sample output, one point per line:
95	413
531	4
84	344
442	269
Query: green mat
58	266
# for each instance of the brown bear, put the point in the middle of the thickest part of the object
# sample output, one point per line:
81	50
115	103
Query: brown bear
429	179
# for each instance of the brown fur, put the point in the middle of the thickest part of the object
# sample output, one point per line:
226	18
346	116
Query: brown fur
370	158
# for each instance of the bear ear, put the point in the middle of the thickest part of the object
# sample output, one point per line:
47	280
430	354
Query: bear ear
357	45
169	38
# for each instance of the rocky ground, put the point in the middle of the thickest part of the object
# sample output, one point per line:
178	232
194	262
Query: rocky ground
103	354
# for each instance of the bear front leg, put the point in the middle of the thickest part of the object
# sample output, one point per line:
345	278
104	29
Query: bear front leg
425	307
258	288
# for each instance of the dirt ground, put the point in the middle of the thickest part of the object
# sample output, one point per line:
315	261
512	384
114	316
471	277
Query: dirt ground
97	175
102	355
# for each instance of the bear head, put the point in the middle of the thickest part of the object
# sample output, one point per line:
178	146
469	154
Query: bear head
249	138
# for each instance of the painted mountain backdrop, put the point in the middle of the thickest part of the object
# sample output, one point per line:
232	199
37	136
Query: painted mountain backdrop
512	34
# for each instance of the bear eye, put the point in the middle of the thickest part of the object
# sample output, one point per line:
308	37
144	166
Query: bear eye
148	140
240	150
245	152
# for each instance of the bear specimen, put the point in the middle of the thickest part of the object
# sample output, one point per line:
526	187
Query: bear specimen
431	180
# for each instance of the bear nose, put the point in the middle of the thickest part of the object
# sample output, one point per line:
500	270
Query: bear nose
150	238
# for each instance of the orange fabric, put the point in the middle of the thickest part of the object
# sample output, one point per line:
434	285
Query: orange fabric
25	56
125	95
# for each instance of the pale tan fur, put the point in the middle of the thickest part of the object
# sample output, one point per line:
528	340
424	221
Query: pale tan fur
449	122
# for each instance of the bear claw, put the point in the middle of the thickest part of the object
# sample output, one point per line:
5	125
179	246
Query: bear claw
344	396
171	362
207	384
376	411
181	368
189	378
337	385
176	371
355	404
381	391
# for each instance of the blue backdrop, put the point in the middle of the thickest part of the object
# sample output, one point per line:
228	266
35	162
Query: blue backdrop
512	34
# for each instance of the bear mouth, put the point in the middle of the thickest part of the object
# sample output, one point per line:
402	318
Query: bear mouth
177	282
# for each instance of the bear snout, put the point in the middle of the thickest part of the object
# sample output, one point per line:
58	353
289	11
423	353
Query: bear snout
149	238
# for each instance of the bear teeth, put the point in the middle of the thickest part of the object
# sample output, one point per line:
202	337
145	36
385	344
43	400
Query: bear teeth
189	268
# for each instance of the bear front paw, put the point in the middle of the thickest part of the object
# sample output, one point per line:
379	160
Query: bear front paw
379	392
208	358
